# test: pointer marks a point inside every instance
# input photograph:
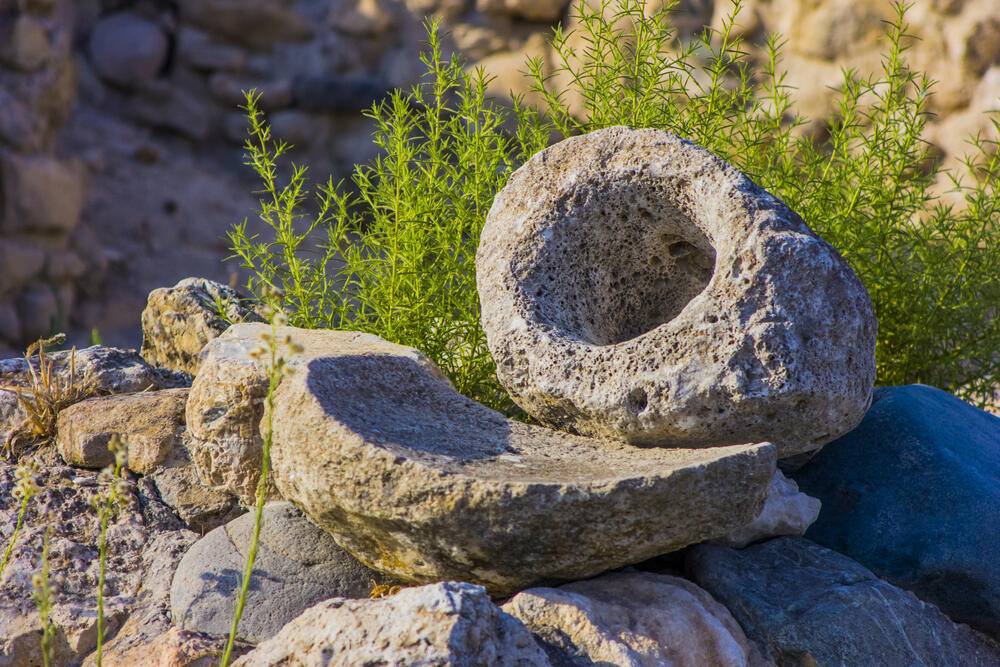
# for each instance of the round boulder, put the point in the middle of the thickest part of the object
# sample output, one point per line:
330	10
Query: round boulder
635	286
127	50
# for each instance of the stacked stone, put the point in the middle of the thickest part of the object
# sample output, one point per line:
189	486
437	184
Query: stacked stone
44	251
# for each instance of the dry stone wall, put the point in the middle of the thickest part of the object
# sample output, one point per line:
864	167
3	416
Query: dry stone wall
120	159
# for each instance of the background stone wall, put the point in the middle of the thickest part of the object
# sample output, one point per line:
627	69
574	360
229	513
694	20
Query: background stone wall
120	133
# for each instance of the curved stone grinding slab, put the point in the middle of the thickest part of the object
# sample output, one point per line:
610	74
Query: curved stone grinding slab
635	286
418	481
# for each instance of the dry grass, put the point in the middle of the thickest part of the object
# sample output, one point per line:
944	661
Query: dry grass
49	392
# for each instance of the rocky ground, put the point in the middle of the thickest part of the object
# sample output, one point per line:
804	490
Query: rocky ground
120	136
406	524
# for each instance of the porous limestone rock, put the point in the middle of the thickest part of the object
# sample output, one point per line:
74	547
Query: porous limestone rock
178	321
808	605
636	618
448	623
297	565
421	482
171	648
635	286
787	511
150	422
140	551
227	399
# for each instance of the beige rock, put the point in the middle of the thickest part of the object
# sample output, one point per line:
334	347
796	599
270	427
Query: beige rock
24	44
635	286
227	400
150	422
444	624
532	10
40	194
19	263
179	321
421	482
635	619
173	648
787	511
361	17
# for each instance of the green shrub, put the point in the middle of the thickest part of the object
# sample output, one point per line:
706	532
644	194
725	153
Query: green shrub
395	255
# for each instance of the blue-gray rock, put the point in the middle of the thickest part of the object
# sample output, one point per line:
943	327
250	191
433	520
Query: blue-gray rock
806	605
914	494
127	50
297	566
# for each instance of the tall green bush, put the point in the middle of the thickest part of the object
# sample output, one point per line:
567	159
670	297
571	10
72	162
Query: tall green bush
394	254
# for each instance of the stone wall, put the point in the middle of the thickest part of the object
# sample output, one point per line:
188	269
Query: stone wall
120	159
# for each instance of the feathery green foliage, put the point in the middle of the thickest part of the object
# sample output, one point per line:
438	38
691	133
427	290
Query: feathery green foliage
397	258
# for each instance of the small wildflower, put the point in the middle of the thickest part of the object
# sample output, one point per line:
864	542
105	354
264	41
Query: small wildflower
37	581
280	319
296	348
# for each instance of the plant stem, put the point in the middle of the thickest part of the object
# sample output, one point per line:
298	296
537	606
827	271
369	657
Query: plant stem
17	529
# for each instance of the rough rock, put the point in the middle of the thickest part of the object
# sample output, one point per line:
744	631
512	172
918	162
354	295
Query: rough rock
41	194
147	630
634	619
106	370
180	488
787	511
256	24
912	494
127	50
297	565
227	400
443	624
419	481
150	422
24	44
179	321
64	500
635	286
172	648
808	605
532	10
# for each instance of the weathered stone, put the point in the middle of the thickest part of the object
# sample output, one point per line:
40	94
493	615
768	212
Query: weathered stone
103	370
10	324
297	565
532	10
912	493
127	50
150	422
787	511
149	617
165	105
808	605
24	44
443	624
227	399
364	18
635	619
635	286
172	648
64	503
256	24
40	194
419	481
179	321
198	50
19	263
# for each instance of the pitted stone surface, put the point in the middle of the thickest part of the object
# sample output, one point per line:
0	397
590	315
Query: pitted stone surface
421	482
178	321
635	286
226	401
